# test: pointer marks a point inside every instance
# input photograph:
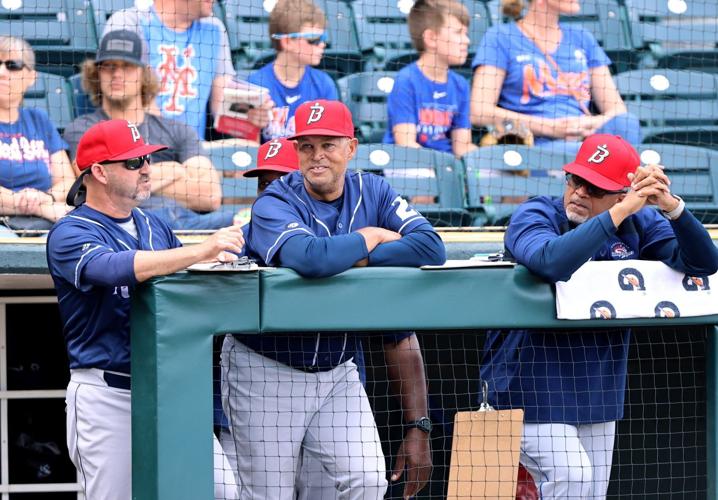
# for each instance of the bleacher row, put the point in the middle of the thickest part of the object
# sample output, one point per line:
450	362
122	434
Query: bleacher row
664	54
486	185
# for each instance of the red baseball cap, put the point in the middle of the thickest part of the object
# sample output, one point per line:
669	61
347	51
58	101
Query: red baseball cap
323	117
605	161
112	140
277	155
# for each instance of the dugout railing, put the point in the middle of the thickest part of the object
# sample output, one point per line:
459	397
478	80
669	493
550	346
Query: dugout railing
175	317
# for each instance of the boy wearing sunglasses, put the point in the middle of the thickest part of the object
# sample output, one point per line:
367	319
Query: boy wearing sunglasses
296	28
571	385
96	255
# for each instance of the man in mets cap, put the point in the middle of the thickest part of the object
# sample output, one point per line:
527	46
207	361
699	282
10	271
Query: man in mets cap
571	385
307	398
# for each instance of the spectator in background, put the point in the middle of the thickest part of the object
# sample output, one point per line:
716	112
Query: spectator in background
35	172
545	74
189	51
571	384
297	31
429	104
184	182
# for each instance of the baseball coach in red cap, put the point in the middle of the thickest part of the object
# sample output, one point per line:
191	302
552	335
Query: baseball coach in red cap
97	254
571	384
321	221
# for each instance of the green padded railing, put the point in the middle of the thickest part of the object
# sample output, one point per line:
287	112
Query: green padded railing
175	317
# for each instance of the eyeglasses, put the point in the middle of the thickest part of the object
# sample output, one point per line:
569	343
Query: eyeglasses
311	38
13	64
575	182
132	163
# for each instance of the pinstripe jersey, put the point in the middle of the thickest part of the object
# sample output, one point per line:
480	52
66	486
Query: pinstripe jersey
91	260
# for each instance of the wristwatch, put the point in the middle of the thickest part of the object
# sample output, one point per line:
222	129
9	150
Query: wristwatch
424	424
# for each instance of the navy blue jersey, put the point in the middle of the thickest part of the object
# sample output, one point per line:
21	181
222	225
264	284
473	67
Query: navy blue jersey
579	376
91	260
290	228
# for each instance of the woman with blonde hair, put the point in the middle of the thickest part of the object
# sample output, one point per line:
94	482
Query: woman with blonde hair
35	172
545	74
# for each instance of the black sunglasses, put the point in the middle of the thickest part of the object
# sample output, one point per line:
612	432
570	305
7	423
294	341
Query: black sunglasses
575	182
13	64
132	163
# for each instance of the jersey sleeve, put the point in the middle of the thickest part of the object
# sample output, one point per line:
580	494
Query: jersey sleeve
401	103
224	56
395	213
81	258
274	221
330	89
595	55
188	144
491	51
72	134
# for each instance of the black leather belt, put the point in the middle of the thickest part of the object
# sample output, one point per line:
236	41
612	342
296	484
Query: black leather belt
117	380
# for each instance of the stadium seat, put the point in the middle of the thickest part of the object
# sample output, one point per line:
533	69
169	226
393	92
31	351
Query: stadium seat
673	106
81	104
51	93
60	31
680	34
430	180
365	94
694	175
342	55
609	23
383	34
499	178
230	160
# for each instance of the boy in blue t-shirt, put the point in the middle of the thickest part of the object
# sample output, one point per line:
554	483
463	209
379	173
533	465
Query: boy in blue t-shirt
297	31
429	104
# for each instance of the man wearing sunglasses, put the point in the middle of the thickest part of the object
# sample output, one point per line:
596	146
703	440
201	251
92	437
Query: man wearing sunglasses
297	32
571	384
97	254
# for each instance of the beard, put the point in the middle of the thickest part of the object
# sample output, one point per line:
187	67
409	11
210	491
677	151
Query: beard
575	218
118	103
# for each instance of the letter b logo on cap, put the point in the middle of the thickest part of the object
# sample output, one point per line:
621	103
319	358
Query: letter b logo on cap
317	110
599	155
273	149
135	133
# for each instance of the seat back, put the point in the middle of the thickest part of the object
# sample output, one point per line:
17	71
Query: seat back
429	180
51	93
230	160
383	33
499	178
247	25
366	95
61	32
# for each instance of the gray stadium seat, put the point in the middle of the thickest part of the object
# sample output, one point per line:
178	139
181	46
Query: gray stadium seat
365	94
673	106
61	32
499	178
680	34
248	29
430	180
609	23
230	160
694	175
51	93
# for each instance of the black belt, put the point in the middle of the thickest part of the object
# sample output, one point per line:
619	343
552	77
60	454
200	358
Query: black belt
312	369
116	380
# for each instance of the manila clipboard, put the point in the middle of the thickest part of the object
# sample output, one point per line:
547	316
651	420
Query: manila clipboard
485	453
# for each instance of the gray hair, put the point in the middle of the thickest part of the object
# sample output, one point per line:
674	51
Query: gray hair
10	44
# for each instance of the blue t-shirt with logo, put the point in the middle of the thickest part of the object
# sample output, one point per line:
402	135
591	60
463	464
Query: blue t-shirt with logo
25	149
436	109
552	86
186	62
315	84
579	376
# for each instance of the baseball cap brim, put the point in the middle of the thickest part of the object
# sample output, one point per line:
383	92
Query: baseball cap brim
138	151
119	57
268	168
593	177
320	131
